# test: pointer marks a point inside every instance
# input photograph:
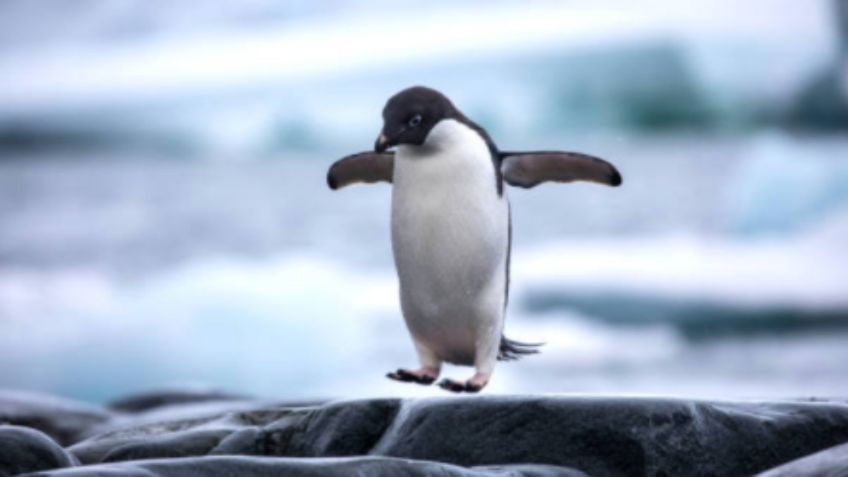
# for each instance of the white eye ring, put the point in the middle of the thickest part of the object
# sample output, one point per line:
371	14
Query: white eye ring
415	121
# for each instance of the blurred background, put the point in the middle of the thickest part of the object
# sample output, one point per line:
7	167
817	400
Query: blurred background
165	222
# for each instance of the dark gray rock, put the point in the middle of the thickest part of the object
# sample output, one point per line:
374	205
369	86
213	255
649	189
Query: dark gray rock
194	443
27	450
65	421
617	436
600	436
193	413
338	429
146	437
831	462
305	467
156	399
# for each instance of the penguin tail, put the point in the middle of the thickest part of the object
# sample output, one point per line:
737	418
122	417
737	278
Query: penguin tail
511	350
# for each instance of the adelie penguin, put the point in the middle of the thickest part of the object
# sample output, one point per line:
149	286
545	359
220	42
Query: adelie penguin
451	228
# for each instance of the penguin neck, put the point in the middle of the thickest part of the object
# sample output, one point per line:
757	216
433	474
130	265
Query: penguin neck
446	136
453	155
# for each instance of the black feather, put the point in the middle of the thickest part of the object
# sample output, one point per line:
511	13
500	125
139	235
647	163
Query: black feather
511	350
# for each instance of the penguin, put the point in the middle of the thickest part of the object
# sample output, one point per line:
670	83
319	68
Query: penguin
451	228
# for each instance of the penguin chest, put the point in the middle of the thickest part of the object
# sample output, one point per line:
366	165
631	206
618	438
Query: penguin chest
450	240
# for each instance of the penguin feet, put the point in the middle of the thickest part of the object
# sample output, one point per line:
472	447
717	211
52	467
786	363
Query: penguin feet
425	376
473	385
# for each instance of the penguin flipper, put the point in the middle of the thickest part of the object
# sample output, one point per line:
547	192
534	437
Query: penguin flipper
529	169
367	167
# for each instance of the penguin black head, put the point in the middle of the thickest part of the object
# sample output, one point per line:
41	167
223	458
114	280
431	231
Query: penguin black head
410	115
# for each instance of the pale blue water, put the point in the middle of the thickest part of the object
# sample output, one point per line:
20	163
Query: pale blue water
122	274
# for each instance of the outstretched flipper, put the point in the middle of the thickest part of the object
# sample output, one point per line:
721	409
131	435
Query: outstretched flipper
367	167
529	169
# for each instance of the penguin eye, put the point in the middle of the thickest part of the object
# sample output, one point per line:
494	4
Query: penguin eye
415	120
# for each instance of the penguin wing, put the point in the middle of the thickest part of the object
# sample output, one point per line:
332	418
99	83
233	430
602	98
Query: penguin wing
367	167
529	169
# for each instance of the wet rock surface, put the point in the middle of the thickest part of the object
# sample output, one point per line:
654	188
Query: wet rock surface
156	399
23	449
332	467
477	435
831	462
64	420
617	436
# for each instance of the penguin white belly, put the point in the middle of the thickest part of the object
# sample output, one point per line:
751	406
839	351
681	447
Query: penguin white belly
450	240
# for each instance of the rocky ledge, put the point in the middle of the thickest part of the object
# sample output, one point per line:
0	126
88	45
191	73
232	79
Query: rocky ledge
188	434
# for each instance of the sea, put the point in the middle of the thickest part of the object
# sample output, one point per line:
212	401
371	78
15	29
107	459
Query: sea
719	269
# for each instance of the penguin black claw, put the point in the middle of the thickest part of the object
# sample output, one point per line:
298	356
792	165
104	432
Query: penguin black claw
453	386
405	376
460	387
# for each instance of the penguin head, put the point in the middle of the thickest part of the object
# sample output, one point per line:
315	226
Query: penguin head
409	116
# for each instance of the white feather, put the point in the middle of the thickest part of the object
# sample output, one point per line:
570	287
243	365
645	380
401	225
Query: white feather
450	239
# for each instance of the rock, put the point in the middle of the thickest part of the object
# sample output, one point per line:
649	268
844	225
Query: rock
317	467
27	450
831	462
338	429
617	436
599	436
65	421
203	410
157	399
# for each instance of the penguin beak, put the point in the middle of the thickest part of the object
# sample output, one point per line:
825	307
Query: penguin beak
382	143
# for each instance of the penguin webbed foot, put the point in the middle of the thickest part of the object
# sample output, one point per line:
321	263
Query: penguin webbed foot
470	386
421	376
